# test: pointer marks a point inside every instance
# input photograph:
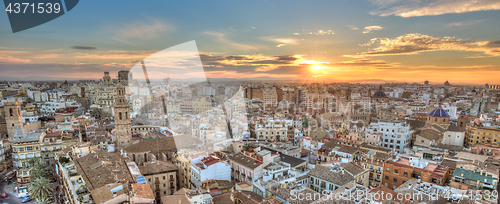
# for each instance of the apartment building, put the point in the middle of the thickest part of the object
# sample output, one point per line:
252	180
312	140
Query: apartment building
183	163
360	174
374	162
328	178
474	176
396	135
272	130
24	147
248	166
52	143
204	169
161	176
485	135
398	171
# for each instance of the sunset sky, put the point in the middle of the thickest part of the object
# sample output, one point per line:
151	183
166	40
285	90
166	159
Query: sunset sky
371	41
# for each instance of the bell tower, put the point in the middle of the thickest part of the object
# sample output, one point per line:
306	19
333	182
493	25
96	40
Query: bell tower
462	120
122	119
13	117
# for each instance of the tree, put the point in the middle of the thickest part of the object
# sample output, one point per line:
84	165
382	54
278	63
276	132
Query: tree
39	170
44	201
40	188
63	160
33	161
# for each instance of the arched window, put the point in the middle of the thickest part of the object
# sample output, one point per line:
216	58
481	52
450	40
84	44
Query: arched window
120	114
126	115
11	112
133	157
444	120
145	157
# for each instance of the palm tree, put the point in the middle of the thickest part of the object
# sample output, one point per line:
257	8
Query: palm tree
39	170
41	188
44	201
33	161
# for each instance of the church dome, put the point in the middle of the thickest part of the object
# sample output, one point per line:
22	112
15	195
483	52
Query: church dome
439	112
379	94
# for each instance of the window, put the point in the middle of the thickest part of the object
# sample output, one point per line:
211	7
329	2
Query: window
395	179
29	148
163	177
164	185
396	171
405	174
386	177
388	170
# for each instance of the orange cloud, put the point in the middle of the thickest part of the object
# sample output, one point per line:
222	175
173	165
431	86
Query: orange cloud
415	43
432	8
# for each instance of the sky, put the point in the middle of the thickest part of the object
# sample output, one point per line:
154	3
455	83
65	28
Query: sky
365	41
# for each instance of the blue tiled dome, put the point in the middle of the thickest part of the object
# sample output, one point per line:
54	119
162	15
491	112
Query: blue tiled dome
439	112
379	94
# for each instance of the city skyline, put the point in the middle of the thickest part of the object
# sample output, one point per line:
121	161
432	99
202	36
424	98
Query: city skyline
367	42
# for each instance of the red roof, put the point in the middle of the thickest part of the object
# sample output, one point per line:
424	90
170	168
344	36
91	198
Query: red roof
304	151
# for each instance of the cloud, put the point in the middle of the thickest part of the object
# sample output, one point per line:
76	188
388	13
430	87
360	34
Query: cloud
316	32
353	27
282	41
253	63
12	60
415	8
223	38
143	30
83	48
463	23
415	43
369	29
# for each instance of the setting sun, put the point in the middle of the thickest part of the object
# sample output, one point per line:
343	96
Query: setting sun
317	67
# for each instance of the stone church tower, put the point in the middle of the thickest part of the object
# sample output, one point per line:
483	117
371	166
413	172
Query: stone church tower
122	119
13	117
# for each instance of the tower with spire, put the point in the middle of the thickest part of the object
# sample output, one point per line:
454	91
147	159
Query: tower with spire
122	119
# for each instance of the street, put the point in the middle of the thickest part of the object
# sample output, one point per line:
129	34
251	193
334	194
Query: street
11	195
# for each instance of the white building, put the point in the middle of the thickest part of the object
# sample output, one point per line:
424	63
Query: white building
207	168
395	134
454	136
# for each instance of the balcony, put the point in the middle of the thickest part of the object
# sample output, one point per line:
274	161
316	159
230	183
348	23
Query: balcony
378	172
377	179
359	182
371	178
372	170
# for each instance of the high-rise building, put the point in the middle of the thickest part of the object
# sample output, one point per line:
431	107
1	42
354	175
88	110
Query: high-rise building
122	119
426	82
123	76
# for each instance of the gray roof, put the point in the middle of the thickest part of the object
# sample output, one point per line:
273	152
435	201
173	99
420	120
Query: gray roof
326	173
22	136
